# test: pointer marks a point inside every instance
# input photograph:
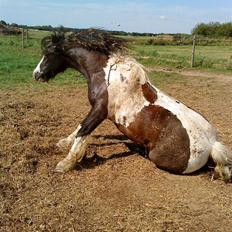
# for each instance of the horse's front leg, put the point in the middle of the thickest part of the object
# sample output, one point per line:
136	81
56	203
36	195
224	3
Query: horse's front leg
66	142
97	114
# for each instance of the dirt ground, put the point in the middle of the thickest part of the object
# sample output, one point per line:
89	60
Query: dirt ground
115	188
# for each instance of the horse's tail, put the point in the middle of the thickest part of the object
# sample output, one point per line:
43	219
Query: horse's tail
222	156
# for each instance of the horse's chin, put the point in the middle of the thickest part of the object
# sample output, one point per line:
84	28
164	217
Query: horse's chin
41	79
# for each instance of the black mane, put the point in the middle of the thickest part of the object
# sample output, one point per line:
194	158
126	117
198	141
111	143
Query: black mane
90	39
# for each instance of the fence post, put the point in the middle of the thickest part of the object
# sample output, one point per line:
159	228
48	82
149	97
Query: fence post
193	52
27	35
23	38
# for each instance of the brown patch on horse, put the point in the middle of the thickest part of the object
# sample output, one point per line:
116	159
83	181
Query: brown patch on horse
172	150
163	134
149	92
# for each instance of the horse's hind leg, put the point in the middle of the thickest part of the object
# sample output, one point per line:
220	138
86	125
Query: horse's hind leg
66	142
172	151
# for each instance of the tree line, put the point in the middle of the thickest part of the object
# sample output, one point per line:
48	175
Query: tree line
213	29
70	29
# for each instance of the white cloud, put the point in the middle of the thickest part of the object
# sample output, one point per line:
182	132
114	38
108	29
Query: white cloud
162	17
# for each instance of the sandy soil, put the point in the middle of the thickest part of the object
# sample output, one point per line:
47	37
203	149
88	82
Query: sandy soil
115	188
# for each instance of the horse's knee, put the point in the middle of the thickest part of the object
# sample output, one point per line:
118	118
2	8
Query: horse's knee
66	142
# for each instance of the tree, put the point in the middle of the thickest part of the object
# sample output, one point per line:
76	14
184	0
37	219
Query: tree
213	29
3	22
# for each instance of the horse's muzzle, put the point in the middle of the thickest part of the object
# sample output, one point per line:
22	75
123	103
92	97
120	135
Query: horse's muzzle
38	77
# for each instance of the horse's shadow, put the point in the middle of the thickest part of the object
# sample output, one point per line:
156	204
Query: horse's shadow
95	160
112	137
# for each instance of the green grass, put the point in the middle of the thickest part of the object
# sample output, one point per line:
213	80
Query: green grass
210	58
17	64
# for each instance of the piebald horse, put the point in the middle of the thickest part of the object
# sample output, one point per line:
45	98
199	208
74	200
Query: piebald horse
177	138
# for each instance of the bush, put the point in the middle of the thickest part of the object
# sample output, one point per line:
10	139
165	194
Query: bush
154	53
202	61
182	39
229	66
149	42
11	43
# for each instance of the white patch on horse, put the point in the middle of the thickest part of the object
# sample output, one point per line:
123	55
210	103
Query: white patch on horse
74	156
201	134
78	149
37	69
69	140
125	77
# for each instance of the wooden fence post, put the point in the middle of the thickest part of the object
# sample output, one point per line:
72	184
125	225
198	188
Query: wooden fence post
27	35
23	38
193	52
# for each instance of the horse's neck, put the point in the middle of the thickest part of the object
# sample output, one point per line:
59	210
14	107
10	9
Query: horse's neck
87	62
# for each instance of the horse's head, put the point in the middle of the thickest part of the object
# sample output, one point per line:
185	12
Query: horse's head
59	52
53	60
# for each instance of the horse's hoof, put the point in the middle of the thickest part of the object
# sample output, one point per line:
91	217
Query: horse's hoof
63	143
65	165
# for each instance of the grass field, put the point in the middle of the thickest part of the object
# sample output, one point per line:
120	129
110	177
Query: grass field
17	64
210	58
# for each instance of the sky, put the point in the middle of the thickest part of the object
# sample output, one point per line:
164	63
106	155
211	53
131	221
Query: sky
157	16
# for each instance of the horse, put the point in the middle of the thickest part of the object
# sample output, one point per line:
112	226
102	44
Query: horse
177	138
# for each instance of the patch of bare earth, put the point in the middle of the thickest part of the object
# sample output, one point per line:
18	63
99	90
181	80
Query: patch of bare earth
123	193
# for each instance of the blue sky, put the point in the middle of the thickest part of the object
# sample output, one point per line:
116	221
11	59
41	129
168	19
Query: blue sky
157	16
